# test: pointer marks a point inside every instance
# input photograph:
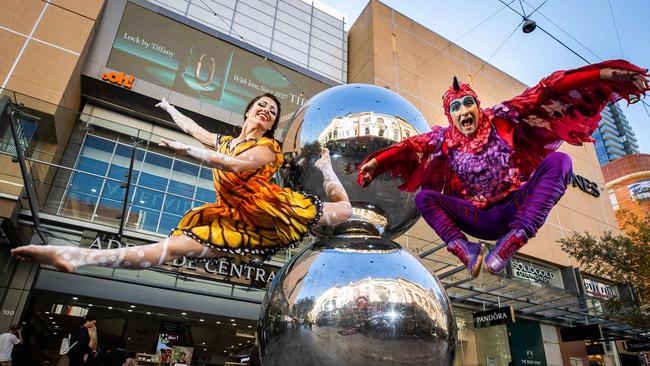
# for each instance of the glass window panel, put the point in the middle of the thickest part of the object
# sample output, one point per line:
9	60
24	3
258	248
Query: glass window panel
181	189
108	211
334	22
326	37
255	11
291	31
200	12
331	29
291	41
186	168
118	172
183	179
84	183
148	199
259	26
290	53
91	165
176	205
122	158
206	174
252	36
325	58
327	70
291	15
330	49
98	143
168	222
152	181
79	205
205	196
142	218
113	190
327	22
297	4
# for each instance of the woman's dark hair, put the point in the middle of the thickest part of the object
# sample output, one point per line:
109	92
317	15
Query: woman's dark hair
270	133
89	318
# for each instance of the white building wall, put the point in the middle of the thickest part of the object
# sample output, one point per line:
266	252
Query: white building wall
551	345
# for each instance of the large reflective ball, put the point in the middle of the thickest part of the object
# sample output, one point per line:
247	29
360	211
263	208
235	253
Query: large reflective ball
352	302
353	121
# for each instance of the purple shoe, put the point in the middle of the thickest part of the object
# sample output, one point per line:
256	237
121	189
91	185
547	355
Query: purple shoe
470	253
497	259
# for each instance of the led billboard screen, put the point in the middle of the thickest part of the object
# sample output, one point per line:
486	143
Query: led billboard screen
175	56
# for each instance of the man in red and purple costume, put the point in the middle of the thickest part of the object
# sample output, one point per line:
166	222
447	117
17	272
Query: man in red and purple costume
495	173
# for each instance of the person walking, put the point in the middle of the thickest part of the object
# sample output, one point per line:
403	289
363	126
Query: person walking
7	342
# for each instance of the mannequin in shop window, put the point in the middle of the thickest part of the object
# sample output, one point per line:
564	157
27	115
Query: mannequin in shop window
252	218
494	173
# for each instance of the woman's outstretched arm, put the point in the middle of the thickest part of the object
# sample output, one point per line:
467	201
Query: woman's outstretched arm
251	159
188	125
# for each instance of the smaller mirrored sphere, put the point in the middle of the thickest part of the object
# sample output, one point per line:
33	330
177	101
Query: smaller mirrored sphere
353	121
356	302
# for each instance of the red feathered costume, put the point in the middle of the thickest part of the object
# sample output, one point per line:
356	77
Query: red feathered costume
510	161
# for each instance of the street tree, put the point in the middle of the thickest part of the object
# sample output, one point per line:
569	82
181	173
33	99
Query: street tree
621	258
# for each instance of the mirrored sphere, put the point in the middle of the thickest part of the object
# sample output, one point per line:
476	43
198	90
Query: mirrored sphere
363	301
353	121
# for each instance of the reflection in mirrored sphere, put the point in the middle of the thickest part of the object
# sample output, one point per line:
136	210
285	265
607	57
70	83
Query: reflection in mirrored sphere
353	121
356	301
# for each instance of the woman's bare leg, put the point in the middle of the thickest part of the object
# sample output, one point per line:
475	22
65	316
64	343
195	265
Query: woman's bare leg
339	209
70	258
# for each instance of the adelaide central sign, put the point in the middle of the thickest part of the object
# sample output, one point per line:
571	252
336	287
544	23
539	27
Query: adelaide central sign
216	268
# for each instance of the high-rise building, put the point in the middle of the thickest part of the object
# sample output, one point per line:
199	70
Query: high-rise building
614	136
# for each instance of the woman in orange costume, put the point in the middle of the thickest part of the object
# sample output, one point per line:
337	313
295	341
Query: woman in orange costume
252	218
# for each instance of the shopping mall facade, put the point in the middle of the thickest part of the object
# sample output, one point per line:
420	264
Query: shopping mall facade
81	81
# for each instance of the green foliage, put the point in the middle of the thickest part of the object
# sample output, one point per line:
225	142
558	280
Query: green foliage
622	258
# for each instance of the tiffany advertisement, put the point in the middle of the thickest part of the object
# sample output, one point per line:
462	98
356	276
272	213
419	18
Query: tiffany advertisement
167	53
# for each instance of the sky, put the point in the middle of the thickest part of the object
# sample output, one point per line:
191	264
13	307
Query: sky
590	27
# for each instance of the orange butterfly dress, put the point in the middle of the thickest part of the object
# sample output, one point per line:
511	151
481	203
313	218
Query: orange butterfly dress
251	217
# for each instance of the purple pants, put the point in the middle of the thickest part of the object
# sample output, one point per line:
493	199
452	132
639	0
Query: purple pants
525	208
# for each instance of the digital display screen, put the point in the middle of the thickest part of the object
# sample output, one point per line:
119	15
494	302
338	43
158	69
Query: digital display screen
175	56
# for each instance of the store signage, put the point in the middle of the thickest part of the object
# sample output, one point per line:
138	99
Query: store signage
585	185
532	272
245	333
526	343
119	79
102	242
598	289
581	333
633	346
220	269
640	191
595	349
227	269
483	319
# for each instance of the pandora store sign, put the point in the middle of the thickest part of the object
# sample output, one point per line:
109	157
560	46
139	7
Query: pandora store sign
535	273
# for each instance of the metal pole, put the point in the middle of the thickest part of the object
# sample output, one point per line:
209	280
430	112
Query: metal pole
29	189
127	185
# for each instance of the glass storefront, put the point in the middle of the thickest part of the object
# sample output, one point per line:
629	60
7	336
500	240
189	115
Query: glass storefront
152	332
163	188
484	346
